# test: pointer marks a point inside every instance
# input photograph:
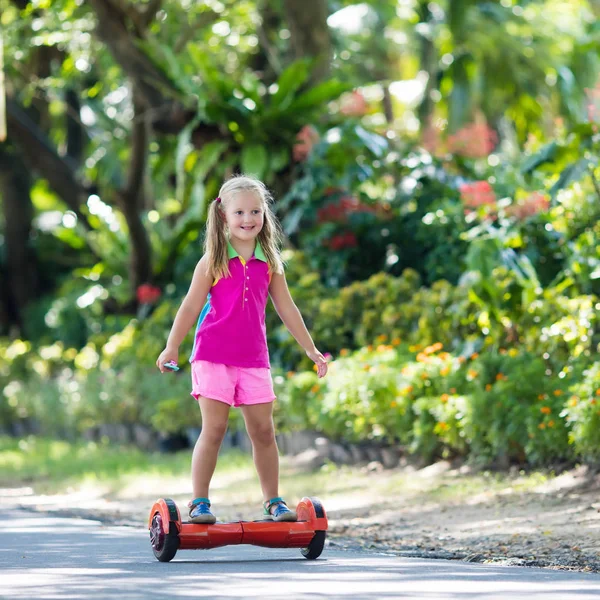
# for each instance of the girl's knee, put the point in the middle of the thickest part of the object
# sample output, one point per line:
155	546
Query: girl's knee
263	435
213	434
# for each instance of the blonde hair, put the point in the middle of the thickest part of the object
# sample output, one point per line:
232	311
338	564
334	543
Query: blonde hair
215	241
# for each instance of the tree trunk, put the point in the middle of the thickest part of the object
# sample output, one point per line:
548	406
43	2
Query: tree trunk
20	283
388	107
310	37
429	65
43	158
122	35
132	199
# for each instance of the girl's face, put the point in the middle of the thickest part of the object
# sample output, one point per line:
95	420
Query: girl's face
244	214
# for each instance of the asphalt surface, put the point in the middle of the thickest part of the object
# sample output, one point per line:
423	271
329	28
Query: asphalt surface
43	557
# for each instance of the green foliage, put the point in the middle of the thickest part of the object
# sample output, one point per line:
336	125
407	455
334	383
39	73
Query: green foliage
582	413
391	260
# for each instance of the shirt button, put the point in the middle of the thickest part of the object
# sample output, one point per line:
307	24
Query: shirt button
248	277
246	289
246	299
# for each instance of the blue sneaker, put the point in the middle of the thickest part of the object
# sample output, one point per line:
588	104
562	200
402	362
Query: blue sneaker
200	511
277	510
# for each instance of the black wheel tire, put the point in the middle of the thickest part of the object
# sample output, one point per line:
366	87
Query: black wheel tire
316	546
164	546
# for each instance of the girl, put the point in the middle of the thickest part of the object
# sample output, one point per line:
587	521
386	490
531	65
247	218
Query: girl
240	268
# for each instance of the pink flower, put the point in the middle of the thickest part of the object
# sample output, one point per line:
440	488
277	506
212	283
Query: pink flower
593	107
353	104
431	140
306	138
535	203
475	140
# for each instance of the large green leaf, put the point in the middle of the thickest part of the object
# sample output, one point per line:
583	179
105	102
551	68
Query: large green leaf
316	96
254	160
184	147
572	173
375	143
289	83
546	154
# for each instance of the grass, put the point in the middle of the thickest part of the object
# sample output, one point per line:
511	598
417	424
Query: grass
51	466
128	474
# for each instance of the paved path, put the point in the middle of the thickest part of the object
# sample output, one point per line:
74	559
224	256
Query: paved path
46	557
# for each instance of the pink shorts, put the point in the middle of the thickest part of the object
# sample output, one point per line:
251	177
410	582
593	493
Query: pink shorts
235	386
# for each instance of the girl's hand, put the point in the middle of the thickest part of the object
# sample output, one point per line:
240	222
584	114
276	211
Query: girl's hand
167	355
319	360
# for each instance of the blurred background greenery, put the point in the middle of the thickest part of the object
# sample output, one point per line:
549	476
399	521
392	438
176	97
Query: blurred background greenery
436	171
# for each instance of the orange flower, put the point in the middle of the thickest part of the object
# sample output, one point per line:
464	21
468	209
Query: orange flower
433	348
370	348
442	426
445	371
453	390
551	423
488	387
344	352
315	388
557	392
545	410
444	398
381	338
573	401
396	342
366	368
461	360
393	404
290	374
501	376
381	348
542	426
593	401
424	376
541	396
422	357
598	392
472	373
474	356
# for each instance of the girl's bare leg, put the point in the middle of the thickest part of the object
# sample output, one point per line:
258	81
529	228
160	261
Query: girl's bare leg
261	430
215	416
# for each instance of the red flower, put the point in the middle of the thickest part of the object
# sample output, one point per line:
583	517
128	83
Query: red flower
476	194
147	293
337	212
343	240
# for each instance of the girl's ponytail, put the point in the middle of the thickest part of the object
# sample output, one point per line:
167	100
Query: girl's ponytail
215	241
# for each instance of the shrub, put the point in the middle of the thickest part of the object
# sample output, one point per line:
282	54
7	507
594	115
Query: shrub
582	412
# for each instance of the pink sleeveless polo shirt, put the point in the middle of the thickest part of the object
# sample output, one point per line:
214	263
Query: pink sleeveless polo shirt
231	328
